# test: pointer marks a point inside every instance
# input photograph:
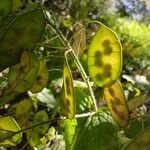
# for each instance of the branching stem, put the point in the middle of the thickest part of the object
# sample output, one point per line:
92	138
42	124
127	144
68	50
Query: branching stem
75	58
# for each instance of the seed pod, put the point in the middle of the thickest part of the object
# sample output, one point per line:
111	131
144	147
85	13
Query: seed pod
41	79
23	75
117	104
67	99
105	57
23	32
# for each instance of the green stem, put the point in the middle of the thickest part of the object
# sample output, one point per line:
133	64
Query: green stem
75	58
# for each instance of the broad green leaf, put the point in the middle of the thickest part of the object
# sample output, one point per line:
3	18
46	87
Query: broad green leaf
105	57
41	79
67	99
23	75
117	104
141	141
5	8
97	133
35	134
7	127
24	31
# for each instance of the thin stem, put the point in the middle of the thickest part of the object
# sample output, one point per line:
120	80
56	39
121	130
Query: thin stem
26	129
75	58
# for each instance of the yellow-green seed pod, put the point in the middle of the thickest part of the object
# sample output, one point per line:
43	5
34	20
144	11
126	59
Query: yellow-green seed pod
41	79
117	104
24	74
67	99
105	57
141	141
23	32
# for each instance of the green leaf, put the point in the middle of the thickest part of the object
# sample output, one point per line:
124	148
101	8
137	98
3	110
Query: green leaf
97	133
70	127
24	31
117	104
141	141
7	127
35	134
105	57
17	4
67	99
5	8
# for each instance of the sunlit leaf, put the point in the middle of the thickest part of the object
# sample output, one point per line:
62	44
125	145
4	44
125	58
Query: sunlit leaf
7	127
141	141
41	79
23	75
5	7
35	134
105	57
97	133
117	104
67	99
23	32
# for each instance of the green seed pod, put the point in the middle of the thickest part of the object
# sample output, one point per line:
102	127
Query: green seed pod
67	99
23	32
105	57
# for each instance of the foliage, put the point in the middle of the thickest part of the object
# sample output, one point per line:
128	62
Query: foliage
58	67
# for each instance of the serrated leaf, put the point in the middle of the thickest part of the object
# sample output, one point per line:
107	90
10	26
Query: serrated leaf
5	8
141	141
105	57
97	133
41	79
24	31
23	75
117	104
67	99
7	127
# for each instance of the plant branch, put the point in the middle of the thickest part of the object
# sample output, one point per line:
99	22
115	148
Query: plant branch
75	58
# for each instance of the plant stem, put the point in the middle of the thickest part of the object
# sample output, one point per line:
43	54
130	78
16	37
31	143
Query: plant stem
75	58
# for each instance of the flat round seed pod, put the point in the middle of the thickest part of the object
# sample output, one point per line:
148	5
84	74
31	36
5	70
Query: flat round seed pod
24	31
67	99
104	57
141	141
117	104
41	79
23	75
5	8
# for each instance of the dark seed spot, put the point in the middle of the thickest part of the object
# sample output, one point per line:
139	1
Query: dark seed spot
98	54
67	102
106	43
107	70
111	91
117	101
108	50
121	115
98	62
68	85
67	81
99	77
